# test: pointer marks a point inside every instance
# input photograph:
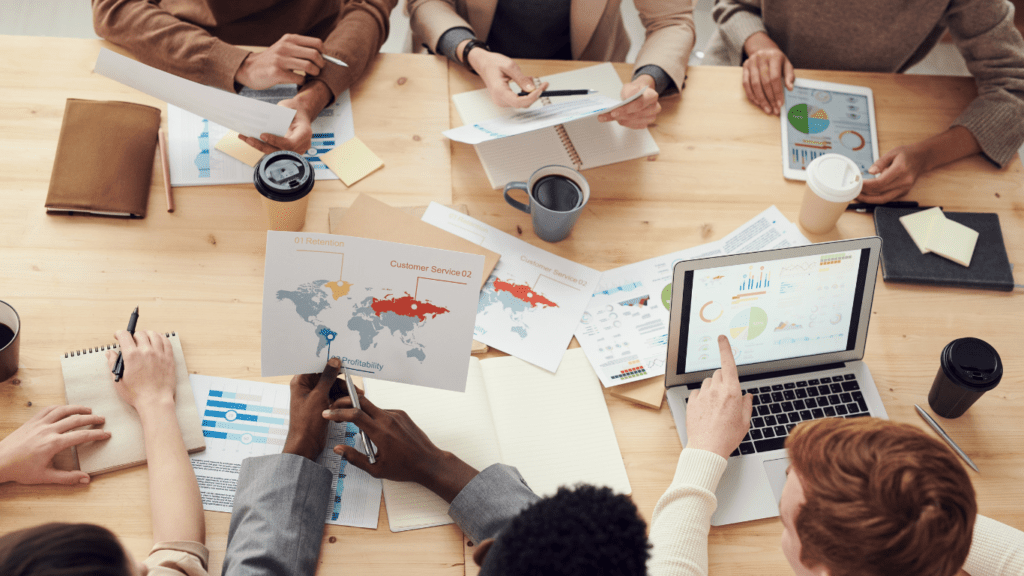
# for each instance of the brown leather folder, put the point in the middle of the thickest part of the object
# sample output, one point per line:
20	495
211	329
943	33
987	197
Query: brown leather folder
104	160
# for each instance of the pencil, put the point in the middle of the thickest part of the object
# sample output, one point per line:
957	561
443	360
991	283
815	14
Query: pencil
162	137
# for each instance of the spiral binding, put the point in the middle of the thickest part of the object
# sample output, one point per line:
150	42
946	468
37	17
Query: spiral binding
574	156
104	348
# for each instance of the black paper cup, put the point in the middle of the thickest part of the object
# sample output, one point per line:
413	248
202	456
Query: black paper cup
968	367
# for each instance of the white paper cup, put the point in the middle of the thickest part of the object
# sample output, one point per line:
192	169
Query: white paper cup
832	181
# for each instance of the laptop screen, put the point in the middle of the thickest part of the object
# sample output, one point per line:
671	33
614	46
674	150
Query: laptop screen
772	310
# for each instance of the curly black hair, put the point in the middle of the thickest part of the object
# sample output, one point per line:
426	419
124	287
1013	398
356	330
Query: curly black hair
586	530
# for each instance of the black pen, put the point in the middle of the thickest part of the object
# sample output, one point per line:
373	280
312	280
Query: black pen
864	207
119	366
548	93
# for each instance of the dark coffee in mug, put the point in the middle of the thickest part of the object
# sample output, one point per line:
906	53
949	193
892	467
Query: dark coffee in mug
6	335
557	193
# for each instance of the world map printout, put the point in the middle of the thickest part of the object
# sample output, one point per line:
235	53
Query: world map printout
390	311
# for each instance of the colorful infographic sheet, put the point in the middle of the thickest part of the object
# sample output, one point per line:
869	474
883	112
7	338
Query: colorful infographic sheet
624	331
825	121
192	139
390	311
772	311
243	419
533	300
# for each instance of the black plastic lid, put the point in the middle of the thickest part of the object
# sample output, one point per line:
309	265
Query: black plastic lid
973	363
283	176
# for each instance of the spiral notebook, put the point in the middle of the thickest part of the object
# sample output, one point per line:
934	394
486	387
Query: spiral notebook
581	144
88	382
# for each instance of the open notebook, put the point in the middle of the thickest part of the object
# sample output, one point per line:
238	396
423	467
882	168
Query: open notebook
554	428
88	382
582	144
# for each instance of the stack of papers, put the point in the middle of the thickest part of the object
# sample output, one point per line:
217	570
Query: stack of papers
624	330
933	232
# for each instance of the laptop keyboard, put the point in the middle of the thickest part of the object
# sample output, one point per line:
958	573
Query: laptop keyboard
778	408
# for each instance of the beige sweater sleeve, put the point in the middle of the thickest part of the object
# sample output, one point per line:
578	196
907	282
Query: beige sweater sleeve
176	558
682	517
430	19
996	549
670	36
159	39
994	51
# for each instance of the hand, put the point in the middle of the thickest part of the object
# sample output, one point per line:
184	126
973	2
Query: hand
764	71
26	456
307	429
718	415
641	112
307	105
149	379
496	70
896	172
404	452
277	64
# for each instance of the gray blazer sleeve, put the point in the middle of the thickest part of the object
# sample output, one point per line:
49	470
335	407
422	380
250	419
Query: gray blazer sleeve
277	523
489	501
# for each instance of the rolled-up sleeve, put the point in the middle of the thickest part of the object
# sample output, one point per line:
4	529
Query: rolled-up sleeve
490	500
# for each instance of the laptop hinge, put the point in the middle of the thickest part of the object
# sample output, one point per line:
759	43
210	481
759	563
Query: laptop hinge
781	373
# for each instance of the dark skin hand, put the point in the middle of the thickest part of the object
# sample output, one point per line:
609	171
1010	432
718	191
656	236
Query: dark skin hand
307	429
404	452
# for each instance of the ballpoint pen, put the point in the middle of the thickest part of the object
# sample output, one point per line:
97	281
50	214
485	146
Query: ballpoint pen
935	426
549	93
119	365
355	404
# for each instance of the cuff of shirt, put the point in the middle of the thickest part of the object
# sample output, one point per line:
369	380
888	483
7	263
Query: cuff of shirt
183	556
997	125
662	81
739	27
490	501
699	468
449	42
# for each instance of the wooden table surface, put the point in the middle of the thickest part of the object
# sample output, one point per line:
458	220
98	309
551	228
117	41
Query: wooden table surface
199	271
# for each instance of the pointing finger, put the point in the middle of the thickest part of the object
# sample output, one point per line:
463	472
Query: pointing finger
729	372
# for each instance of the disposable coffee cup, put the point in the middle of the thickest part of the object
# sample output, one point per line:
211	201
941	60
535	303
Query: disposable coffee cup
832	181
968	367
10	337
555	197
284	180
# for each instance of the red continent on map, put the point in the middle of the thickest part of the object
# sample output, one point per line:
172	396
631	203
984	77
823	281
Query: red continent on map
406	306
522	292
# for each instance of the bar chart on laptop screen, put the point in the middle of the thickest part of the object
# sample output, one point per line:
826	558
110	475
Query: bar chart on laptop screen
772	310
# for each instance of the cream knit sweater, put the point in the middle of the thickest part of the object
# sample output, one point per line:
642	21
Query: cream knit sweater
682	520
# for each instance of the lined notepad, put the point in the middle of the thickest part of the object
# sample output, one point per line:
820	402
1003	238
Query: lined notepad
554	428
88	382
580	144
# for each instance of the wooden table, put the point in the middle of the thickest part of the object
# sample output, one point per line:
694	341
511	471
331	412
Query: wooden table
199	271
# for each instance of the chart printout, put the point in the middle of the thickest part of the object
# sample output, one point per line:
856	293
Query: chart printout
192	141
390	311
624	331
772	310
242	419
533	300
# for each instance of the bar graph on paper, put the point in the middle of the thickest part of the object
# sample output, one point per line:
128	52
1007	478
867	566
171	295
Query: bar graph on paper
243	419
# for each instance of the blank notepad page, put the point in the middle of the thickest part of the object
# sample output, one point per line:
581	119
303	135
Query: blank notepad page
554	428
457	422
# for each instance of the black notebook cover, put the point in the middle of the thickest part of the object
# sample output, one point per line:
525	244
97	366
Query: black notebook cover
902	261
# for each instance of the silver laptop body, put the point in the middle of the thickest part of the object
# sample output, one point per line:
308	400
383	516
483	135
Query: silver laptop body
797	319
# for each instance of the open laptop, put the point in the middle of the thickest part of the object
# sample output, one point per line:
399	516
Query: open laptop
797	319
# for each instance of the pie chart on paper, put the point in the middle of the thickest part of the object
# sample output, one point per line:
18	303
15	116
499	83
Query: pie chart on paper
808	119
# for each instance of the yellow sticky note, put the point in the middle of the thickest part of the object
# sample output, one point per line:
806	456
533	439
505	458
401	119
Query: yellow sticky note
918	225
952	240
352	161
232	146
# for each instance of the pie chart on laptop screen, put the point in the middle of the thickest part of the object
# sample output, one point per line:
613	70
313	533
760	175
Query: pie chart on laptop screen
808	119
748	324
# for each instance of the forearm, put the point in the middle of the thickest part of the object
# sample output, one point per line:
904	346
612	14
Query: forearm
448	475
175	504
737	20
160	39
949	146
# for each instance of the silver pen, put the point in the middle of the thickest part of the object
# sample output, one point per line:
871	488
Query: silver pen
355	404
935	426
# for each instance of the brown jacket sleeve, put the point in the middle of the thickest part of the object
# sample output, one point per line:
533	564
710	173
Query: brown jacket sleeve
360	31
161	40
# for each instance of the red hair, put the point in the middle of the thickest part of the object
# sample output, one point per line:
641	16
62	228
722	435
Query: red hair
882	498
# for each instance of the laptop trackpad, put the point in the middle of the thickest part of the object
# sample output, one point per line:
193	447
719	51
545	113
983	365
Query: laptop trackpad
776	471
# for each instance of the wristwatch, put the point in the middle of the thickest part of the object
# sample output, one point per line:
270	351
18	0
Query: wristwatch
474	43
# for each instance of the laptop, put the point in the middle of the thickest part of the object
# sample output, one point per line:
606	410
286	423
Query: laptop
797	319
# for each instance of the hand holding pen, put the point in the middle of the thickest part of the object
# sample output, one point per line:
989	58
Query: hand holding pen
119	365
